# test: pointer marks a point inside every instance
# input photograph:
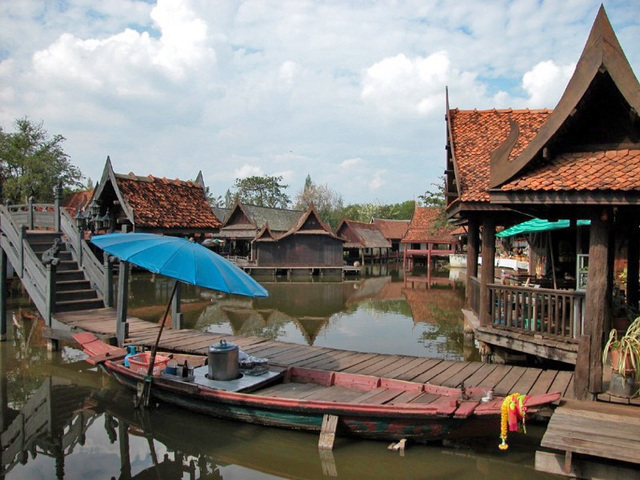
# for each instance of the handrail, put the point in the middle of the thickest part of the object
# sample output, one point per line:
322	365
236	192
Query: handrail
35	277
82	254
554	313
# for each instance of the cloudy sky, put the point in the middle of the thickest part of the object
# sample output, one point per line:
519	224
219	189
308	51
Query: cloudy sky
349	92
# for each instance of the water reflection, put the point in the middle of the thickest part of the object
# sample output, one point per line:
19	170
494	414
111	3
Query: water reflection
71	422
383	314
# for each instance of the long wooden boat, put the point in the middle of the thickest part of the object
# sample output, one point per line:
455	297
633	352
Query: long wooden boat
299	398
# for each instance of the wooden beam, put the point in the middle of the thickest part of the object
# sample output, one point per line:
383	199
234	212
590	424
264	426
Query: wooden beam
633	259
598	297
488	266
472	258
123	302
328	432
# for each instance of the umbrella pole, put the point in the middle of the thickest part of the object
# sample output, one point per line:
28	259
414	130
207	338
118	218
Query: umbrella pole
144	394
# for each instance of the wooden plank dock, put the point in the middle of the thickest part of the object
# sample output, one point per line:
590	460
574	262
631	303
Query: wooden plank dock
503	379
594	429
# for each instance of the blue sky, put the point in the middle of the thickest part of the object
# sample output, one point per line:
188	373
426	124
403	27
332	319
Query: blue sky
351	93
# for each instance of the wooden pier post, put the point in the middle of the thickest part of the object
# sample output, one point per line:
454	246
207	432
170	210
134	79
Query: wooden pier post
108	280
597	299
488	267
123	301
472	257
176	316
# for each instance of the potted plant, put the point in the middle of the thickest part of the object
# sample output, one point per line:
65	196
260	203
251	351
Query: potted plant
625	359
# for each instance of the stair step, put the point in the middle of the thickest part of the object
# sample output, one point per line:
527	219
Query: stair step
66	265
63	275
85	304
66	295
64	285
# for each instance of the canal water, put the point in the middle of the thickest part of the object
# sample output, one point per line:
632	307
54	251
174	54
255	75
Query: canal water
61	419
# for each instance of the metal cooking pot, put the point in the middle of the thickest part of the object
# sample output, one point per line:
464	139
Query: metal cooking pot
223	361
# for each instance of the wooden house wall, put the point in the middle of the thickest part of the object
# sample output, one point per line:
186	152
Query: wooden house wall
300	251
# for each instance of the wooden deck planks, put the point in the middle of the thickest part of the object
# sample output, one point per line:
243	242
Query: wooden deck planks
544	382
501	378
527	380
595	429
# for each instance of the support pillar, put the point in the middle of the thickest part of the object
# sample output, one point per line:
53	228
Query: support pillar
633	266
123	301
597	299
3	295
108	280
488	267
176	316
472	257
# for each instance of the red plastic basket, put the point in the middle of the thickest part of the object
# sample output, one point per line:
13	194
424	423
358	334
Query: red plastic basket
139	363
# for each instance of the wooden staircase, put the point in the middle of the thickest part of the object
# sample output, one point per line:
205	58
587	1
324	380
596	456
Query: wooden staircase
76	281
73	291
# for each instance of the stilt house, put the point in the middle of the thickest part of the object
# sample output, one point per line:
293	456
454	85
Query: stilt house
579	161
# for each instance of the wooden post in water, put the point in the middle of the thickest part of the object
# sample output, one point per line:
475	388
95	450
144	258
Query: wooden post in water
488	267
472	257
176	316
3	295
598	296
108	280
123	301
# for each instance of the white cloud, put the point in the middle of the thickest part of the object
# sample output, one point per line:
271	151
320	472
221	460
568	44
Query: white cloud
545	82
352	163
344	91
248	171
402	86
129	63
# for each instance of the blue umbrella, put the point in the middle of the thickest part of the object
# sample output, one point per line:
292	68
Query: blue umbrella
181	259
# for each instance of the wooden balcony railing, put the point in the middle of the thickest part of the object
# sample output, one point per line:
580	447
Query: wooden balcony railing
555	313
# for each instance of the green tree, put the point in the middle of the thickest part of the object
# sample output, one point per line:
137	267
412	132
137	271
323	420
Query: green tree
436	198
266	191
326	201
32	164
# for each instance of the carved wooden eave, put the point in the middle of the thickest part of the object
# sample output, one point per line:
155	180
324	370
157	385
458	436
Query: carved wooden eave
108	175
602	54
451	157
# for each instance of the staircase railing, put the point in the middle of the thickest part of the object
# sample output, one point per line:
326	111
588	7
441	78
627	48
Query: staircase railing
99	273
37	278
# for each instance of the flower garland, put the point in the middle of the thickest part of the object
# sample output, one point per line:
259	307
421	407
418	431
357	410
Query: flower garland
513	409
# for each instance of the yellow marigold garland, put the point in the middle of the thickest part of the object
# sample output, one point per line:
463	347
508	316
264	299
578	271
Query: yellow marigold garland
504	418
515	403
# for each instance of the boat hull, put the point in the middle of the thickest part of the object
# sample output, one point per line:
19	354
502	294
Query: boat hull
296	415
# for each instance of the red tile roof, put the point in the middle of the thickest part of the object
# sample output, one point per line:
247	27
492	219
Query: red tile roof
162	203
476	133
78	200
423	227
601	170
392	229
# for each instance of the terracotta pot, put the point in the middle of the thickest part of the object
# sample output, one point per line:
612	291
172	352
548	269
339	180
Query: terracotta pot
615	356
